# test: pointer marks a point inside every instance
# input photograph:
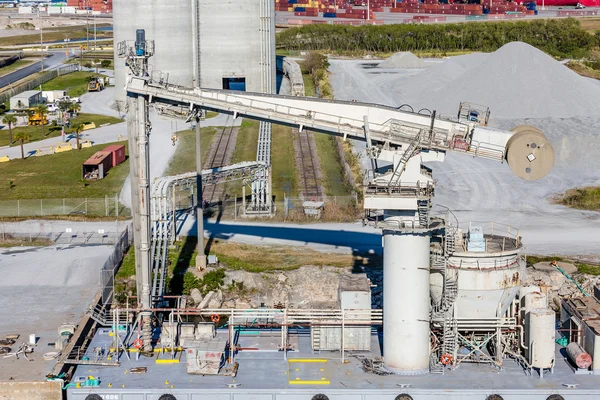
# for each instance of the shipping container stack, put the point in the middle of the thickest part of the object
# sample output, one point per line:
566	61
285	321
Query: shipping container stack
104	6
358	10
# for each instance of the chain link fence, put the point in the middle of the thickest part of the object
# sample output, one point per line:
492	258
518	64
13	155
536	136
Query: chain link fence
96	207
35	83
109	270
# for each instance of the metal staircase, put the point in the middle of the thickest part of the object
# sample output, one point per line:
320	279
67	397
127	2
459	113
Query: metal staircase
411	150
423	207
104	316
315	333
443	311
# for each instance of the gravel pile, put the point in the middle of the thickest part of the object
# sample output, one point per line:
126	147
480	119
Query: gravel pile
517	81
404	59
439	75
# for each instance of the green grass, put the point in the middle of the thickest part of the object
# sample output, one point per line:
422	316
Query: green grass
283	163
588	269
245	150
309	86
329	160
331	167
583	198
58	176
184	159
35	132
15	66
54	34
127	267
211	114
75	83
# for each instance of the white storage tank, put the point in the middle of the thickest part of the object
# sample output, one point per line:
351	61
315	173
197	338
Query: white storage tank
533	300
541	331
488	280
169	24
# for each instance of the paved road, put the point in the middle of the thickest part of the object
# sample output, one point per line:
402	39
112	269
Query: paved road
54	61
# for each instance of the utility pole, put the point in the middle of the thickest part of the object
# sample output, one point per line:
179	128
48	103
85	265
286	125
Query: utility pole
87	29
201	257
95	35
41	39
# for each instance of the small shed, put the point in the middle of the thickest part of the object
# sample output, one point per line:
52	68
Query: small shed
26	99
97	166
117	152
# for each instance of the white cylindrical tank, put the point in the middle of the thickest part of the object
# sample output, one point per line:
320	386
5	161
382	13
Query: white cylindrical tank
169	24
526	290
487	281
541	337
406	302
535	300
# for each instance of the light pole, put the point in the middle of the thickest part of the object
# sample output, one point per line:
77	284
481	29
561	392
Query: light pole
87	23
41	39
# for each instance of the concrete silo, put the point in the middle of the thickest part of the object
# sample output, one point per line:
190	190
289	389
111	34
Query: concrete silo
232	43
237	45
169	24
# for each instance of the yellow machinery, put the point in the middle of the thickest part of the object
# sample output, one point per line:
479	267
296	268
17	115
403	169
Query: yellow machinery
96	85
35	119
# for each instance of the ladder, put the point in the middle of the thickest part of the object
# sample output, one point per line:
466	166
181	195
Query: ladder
316	338
463	112
411	150
423	210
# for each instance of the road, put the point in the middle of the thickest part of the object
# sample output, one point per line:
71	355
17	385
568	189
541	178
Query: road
54	61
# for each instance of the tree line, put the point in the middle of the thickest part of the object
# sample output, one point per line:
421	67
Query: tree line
557	37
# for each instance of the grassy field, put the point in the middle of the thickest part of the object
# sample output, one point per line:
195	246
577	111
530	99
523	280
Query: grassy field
16	65
583	198
584	70
184	159
590	24
245	150
309	86
55	34
331	166
58	176
35	132
283	162
75	83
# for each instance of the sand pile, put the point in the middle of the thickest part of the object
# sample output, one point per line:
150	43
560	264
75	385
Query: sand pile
518	81
404	59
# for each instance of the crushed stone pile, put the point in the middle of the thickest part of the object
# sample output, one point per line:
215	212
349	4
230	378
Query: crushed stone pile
404	59
518	81
438	76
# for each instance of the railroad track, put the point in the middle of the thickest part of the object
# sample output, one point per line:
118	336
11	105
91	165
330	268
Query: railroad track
219	155
307	165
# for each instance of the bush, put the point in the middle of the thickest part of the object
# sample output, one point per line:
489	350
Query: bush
562	38
105	63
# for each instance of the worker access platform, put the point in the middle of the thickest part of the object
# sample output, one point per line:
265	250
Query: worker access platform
259	368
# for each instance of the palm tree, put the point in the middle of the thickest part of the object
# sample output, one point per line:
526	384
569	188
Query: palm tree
77	129
42	111
22	136
10	120
74	108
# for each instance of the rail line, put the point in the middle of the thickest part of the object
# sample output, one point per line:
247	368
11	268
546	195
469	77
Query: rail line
307	165
220	157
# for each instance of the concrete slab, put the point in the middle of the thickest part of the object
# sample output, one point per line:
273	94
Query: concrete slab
40	289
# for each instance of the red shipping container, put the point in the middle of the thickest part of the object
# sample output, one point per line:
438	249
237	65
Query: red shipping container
117	153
